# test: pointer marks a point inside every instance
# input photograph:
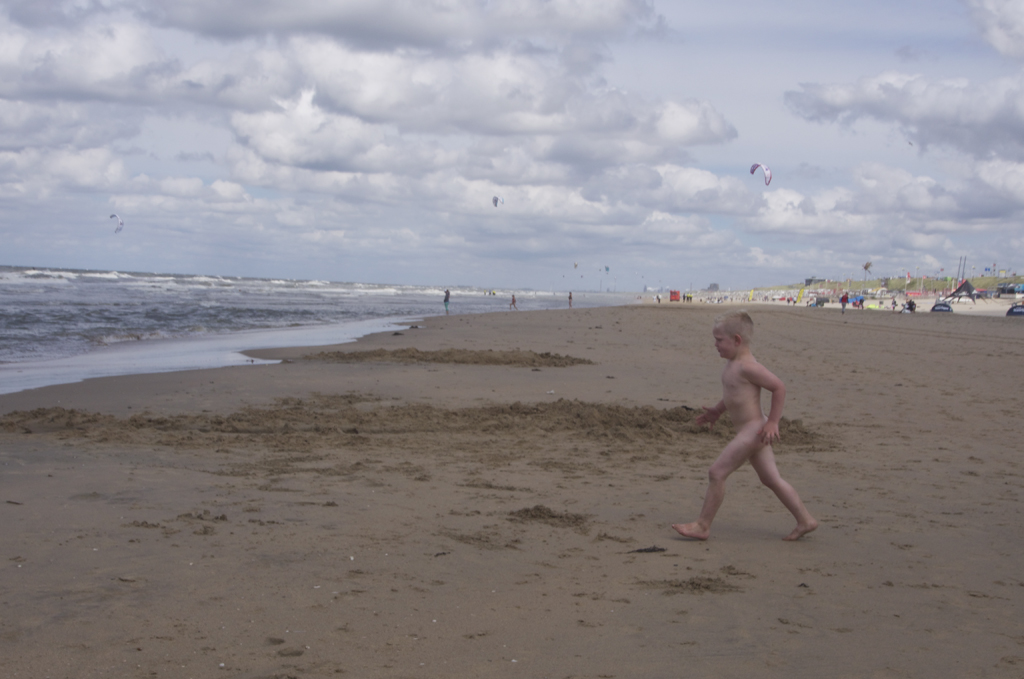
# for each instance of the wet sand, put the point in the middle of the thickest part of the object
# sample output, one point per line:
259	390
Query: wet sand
484	506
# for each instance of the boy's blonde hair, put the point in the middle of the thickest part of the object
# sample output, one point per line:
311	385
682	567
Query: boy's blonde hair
737	323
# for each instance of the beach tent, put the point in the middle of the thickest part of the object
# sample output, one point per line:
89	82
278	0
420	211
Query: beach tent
965	290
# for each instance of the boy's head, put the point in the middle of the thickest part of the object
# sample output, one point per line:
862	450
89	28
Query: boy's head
736	323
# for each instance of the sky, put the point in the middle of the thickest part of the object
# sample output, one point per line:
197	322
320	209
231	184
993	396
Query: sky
364	140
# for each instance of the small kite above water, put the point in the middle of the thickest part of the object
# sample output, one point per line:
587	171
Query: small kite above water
767	172
497	200
120	223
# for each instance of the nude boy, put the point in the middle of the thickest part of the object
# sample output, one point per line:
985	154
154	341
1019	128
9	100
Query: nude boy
742	381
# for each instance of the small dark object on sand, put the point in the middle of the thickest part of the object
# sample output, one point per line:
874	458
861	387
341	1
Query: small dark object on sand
647	550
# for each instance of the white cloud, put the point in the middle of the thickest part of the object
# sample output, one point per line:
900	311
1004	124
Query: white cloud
304	135
33	174
1002	22
693	122
695	234
81	125
975	119
95	60
897	191
791	213
182	187
192	205
686	189
230	191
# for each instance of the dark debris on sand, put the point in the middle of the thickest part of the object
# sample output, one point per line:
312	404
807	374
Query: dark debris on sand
515	357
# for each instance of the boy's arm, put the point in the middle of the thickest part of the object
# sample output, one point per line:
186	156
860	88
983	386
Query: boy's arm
711	415
760	376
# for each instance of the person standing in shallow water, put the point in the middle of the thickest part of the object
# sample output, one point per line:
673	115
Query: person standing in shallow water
570	300
512	304
447	297
742	381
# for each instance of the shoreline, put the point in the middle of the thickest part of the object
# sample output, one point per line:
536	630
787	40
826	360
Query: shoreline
184	353
407	517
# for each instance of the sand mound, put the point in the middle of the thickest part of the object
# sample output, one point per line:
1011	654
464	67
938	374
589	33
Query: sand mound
546	515
308	434
516	357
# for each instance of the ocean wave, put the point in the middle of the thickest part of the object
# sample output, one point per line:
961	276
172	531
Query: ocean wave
37	277
108	275
107	340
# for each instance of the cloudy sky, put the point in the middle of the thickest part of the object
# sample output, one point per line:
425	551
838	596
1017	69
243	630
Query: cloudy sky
362	140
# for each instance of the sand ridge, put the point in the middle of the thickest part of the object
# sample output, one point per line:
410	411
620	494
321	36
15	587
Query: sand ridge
338	422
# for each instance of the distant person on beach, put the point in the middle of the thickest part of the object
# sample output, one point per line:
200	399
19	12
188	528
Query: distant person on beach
743	378
570	300
843	301
447	298
512	304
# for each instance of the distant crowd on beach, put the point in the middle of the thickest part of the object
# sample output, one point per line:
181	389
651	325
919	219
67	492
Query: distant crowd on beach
893	300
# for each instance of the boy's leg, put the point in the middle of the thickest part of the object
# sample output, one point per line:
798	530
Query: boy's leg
763	462
731	458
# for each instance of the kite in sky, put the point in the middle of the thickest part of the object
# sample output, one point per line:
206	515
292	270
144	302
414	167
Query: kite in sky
767	172
120	223
496	200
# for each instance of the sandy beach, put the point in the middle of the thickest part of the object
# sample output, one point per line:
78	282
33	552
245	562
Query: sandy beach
491	496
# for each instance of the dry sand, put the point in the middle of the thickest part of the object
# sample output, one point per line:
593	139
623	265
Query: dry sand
501	514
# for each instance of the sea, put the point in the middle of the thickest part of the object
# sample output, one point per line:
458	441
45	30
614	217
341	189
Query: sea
65	325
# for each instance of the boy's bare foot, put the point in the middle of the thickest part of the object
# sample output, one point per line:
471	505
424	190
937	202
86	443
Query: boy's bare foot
693	530
802	529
